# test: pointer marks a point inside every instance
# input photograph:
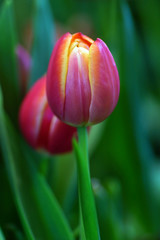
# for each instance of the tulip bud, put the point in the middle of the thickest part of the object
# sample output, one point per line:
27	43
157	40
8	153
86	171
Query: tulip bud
41	128
82	80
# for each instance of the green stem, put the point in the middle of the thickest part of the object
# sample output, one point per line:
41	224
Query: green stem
82	231
87	204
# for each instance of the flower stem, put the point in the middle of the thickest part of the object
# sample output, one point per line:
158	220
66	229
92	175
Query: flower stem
87	204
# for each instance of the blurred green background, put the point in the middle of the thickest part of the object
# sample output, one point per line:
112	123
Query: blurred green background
124	149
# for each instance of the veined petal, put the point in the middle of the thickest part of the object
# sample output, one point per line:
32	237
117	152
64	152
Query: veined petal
56	74
104	81
78	94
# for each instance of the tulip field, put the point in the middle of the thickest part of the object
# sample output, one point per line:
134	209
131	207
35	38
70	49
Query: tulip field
79	120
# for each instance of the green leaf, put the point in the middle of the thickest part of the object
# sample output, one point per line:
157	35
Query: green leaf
147	210
43	39
24	12
108	202
63	167
8	73
148	25
123	150
1	235
40	213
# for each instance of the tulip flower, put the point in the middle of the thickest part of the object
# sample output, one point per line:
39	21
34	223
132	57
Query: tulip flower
41	128
82	80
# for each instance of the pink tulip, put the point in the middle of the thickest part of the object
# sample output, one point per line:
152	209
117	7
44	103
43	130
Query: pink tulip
41	128
82	80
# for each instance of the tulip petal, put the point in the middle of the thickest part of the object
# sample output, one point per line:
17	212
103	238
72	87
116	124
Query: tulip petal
104	82
83	38
56	75
42	141
78	93
31	111
60	137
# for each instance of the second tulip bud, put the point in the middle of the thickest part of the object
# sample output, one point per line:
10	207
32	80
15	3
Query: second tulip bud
40	127
82	80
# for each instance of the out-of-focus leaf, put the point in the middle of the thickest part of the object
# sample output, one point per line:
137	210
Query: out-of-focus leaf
131	73
43	39
94	135
8	73
110	220
24	11
147	21
7	211
40	213
65	191
62	9
123	149
12	232
1	235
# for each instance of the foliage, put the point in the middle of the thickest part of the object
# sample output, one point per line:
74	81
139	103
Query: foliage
39	197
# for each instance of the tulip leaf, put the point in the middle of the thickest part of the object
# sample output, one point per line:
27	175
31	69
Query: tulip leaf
43	39
8	73
108	212
150	18
65	191
123	149
144	154
1	235
40	213
24	11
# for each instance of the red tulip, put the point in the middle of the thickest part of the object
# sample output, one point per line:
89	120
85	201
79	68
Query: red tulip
82	80
41	128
